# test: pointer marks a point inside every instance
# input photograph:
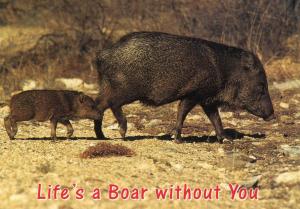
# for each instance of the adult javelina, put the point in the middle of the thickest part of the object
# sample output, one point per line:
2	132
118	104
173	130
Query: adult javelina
159	68
56	106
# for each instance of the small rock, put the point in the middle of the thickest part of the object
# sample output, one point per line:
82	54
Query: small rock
288	177
284	105
252	159
297	115
131	116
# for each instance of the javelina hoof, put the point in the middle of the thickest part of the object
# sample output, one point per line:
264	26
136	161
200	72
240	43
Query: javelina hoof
220	139
100	135
70	133
122	133
11	130
177	136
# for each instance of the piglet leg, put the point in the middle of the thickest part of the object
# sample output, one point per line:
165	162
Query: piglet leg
10	126
53	123
69	127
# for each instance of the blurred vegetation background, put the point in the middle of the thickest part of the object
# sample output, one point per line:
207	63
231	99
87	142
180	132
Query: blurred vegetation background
45	39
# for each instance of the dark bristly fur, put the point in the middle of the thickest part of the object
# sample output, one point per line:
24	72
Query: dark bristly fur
56	106
158	68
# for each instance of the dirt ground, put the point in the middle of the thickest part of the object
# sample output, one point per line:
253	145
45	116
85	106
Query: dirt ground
265	155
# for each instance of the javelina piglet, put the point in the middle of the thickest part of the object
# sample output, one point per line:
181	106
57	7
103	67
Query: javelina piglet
58	106
158	68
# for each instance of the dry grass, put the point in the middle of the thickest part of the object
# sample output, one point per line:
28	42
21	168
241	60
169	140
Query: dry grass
17	38
283	69
35	44
105	149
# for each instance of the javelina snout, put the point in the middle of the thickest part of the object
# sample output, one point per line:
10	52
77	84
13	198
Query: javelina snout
85	107
267	108
263	109
253	88
56	106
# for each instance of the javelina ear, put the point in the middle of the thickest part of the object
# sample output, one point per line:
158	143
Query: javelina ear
247	61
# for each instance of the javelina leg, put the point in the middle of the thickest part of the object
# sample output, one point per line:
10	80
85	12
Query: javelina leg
10	126
214	117
70	129
102	105
118	113
98	128
184	107
53	128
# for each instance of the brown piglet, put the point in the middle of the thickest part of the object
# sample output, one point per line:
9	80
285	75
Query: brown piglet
58	106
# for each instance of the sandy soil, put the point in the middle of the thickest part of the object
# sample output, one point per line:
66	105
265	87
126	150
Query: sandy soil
266	157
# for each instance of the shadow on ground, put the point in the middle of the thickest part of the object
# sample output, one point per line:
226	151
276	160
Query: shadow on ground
58	138
233	134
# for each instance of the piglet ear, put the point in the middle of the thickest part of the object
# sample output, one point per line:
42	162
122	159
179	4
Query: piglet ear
81	98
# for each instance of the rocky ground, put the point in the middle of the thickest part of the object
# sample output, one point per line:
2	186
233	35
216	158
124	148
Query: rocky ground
265	155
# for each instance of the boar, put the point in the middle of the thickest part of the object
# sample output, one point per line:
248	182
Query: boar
58	106
158	68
